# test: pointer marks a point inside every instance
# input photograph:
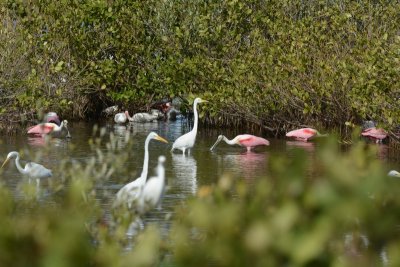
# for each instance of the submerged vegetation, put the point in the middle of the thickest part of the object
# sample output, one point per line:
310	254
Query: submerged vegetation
346	215
276	64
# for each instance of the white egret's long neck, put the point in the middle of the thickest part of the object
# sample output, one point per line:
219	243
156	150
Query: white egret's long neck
196	119
19	167
143	175
229	142
161	171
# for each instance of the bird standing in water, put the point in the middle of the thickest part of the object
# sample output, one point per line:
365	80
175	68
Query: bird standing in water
131	191
31	169
304	134
49	128
187	140
153	190
245	140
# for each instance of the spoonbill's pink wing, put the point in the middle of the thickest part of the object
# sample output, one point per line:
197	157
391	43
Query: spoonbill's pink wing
303	133
248	140
376	133
43	128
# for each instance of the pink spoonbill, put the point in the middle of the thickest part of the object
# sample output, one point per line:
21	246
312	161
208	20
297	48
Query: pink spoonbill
304	134
49	128
376	134
245	140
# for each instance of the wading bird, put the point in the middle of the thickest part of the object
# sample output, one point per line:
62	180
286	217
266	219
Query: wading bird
245	140
49	128
131	191
304	134
143	117
187	140
153	190
121	117
31	169
376	134
394	173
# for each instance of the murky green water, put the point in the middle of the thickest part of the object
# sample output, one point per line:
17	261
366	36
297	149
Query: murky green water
185	174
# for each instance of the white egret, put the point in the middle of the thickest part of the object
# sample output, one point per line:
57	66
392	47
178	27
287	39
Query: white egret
152	192
187	140
31	169
130	192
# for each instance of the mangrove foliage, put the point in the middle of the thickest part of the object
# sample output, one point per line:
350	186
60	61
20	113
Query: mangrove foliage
276	64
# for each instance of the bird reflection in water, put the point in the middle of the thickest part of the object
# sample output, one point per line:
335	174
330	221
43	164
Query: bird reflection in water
307	146
47	140
120	130
185	170
247	165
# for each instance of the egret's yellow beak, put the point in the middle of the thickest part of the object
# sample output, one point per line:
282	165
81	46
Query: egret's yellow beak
159	138
204	101
4	162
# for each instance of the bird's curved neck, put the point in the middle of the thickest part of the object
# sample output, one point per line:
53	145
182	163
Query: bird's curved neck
18	165
196	118
128	116
143	175
229	142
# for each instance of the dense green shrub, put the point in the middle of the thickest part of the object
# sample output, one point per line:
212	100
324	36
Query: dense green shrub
277	64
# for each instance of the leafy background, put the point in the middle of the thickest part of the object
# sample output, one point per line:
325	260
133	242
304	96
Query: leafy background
274	64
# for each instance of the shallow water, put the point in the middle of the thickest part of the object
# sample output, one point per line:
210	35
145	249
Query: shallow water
185	174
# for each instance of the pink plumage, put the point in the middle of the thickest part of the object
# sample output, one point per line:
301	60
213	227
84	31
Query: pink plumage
244	140
377	134
248	140
42	128
303	134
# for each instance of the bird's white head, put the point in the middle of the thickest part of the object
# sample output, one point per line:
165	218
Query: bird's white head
161	159
394	173
199	100
65	123
155	136
9	156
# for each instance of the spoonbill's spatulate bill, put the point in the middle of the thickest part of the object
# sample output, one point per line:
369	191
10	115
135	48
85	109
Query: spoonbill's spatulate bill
245	140
187	140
